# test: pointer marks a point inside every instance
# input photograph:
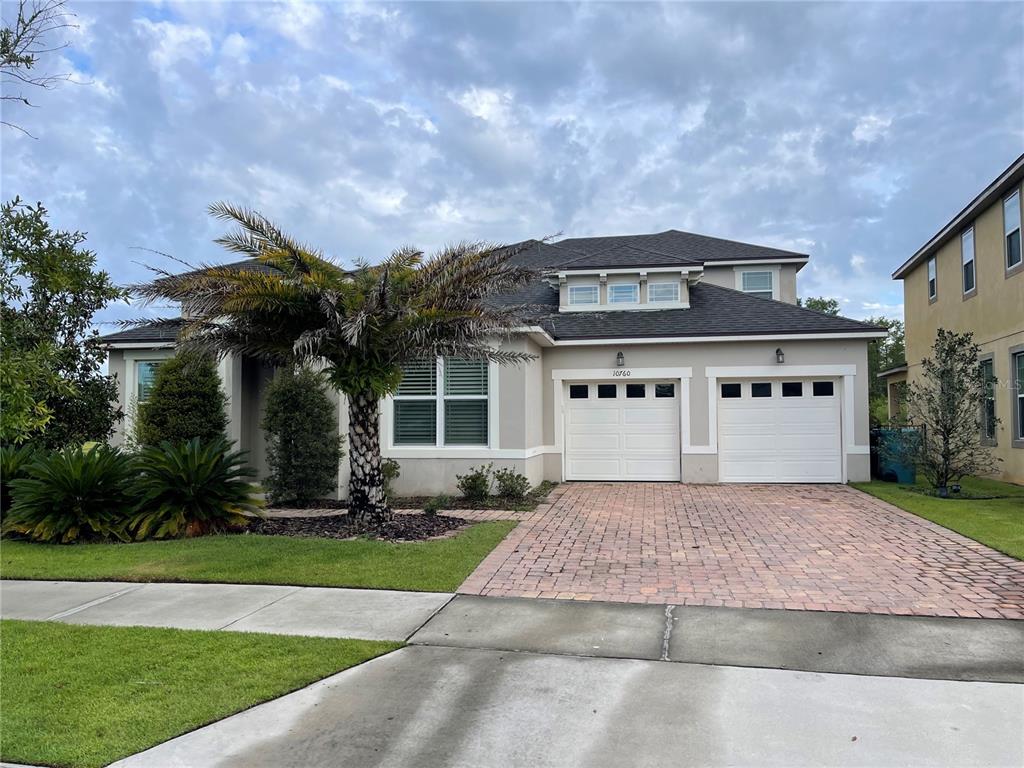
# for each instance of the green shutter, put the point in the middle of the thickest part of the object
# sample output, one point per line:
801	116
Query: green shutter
465	377
419	377
415	422
465	422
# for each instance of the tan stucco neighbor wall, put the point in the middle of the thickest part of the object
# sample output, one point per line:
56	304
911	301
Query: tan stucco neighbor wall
994	313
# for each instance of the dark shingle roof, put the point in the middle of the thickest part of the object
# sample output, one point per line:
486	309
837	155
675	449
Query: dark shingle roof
159	331
714	311
680	245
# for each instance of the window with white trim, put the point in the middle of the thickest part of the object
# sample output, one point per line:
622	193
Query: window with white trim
455	413
145	377
663	292
757	284
967	260
624	293
584	294
1011	229
933	289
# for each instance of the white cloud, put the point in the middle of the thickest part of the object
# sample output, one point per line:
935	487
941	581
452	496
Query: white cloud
871	128
174	42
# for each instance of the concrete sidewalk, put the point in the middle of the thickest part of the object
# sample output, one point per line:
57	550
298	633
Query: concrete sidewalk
445	707
365	614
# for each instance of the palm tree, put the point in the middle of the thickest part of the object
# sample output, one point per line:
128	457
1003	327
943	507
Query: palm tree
361	325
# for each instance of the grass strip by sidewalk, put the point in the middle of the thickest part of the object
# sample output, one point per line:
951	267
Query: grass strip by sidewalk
427	566
997	522
82	696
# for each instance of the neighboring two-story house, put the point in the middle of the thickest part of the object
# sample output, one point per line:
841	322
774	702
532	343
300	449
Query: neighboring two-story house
970	277
671	356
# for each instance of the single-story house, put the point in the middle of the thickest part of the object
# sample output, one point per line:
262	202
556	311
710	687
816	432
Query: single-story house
661	357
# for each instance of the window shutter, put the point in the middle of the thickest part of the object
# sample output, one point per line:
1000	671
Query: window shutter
465	377
415	422
419	377
465	422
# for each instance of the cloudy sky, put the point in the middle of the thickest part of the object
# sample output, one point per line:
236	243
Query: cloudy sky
850	132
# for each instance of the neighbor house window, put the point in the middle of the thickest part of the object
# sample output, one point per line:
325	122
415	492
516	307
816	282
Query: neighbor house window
421	407
967	258
584	294
145	376
1011	229
1018	376
757	284
624	293
662	292
988	408
933	288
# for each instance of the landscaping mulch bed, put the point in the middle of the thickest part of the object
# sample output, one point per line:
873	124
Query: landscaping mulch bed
401	528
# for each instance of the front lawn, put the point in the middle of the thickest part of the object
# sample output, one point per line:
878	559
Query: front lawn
427	566
996	520
86	696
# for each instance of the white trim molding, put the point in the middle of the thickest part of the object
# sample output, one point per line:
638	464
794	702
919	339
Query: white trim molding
612	341
140	345
776	371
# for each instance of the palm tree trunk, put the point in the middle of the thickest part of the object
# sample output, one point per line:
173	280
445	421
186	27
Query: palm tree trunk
366	500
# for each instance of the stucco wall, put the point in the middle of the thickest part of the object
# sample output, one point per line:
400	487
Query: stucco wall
994	313
115	367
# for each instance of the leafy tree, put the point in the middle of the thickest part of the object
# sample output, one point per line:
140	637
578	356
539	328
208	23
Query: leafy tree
26	37
946	401
186	401
883	354
49	291
303	444
362	325
820	304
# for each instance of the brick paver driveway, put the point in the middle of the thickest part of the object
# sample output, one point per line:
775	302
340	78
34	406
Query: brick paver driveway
747	546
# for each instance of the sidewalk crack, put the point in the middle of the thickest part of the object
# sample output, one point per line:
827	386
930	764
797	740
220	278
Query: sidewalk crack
669	623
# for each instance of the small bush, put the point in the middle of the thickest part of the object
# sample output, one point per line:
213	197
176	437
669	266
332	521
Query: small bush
303	444
192	488
73	494
391	470
14	461
475	485
511	484
186	401
436	504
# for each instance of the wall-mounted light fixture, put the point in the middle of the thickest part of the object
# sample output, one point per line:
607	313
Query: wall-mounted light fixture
620	359
780	358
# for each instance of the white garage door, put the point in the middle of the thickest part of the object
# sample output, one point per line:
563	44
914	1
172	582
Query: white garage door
622	431
781	431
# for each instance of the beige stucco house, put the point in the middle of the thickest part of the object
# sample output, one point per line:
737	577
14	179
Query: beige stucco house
970	277
663	357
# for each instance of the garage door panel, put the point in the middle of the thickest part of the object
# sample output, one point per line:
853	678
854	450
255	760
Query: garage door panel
622	438
595	441
653	442
594	415
779	439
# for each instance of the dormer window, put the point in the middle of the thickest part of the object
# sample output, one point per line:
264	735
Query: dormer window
757	284
584	294
663	293
624	293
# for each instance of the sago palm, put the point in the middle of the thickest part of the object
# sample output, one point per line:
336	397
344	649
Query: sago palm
361	324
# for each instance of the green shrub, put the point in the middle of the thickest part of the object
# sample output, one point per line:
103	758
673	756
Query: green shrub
511	484
73	494
14	461
192	488
476	484
390	469
186	401
436	504
303	444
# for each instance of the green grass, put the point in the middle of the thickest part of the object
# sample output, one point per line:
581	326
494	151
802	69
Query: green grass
428	566
86	696
997	521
